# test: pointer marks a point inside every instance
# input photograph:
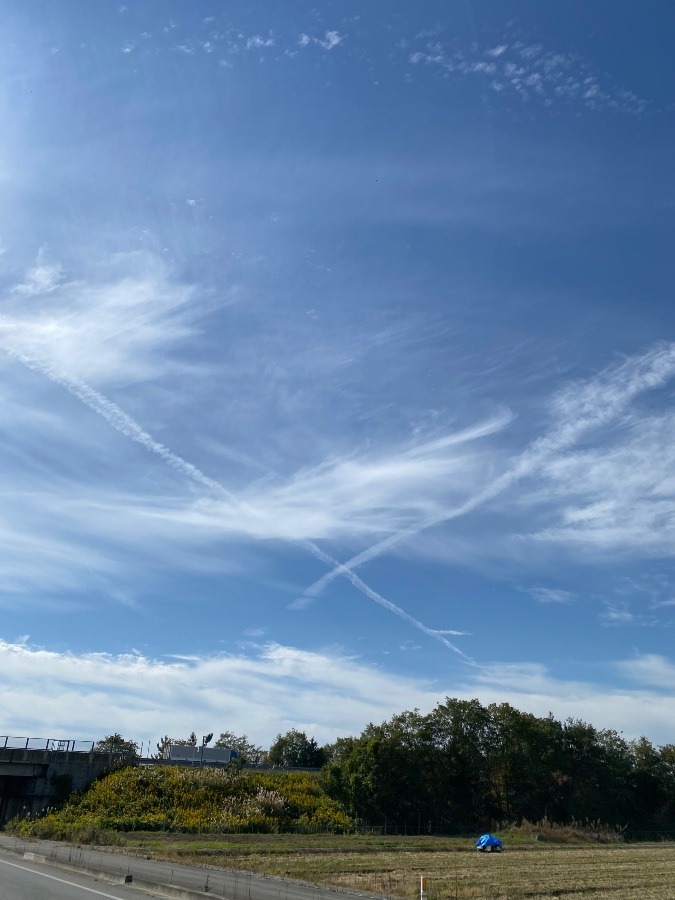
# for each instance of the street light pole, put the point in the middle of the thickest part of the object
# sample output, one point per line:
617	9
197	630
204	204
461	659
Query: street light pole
205	739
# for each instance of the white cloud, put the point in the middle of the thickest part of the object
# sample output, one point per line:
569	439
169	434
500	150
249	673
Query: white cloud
526	71
550	595
330	40
42	555
261	692
616	613
530	71
266	690
393	493
109	329
649	669
618	496
368	493
42	278
632	710
580	410
257	41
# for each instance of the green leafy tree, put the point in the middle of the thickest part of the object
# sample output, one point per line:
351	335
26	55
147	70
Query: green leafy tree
295	749
464	766
115	743
525	764
650	781
462	738
247	752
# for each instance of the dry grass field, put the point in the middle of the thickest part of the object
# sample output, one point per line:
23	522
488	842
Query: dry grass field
392	867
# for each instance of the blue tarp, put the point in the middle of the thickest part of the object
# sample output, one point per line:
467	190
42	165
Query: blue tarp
488	842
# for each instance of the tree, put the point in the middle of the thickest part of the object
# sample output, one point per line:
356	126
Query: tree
525	765
464	766
295	749
462	738
165	743
246	751
115	743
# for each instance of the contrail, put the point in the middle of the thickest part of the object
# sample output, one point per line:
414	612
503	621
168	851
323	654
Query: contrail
387	604
594	404
126	425
597	403
120	421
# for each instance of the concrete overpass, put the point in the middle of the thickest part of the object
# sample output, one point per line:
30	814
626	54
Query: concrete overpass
36	773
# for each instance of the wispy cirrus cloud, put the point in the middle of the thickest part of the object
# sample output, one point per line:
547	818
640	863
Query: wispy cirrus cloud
617	497
578	410
388	482
392	493
115	327
43	278
214	37
399	493
616	613
550	595
45	554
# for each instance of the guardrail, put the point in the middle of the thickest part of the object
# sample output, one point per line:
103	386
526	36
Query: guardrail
59	745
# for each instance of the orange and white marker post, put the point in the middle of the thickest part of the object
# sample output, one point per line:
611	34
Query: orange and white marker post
423	887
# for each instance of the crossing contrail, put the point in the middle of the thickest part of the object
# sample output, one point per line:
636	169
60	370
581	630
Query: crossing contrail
122	422
591	405
360	585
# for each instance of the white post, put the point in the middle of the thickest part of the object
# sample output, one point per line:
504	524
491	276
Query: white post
423	887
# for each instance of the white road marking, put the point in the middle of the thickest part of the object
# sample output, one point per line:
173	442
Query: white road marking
62	880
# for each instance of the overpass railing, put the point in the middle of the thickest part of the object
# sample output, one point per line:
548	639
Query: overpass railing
62	745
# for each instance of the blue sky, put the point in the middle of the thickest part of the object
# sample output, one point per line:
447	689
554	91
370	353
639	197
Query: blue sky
337	364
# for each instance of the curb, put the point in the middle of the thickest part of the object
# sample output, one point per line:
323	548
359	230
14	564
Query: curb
156	887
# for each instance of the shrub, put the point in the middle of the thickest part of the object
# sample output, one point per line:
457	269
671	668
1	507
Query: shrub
572	833
192	800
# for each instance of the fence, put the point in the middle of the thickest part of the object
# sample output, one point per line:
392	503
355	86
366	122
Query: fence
59	745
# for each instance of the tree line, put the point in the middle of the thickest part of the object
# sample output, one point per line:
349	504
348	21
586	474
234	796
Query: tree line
465	766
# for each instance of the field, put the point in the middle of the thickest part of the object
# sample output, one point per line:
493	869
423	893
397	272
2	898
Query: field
392	866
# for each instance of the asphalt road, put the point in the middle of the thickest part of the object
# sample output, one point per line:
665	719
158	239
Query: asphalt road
207	880
24	880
